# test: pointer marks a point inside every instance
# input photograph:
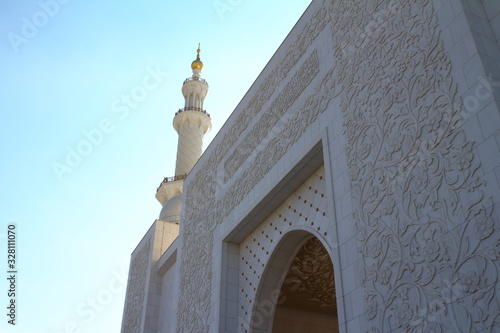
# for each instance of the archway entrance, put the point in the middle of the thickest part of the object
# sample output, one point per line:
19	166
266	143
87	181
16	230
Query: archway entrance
307	301
297	290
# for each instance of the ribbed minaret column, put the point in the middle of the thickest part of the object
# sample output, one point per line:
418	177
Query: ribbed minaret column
192	127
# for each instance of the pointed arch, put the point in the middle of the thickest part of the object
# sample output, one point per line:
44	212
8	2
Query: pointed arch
274	289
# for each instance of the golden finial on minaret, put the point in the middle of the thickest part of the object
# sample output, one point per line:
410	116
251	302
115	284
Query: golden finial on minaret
197	64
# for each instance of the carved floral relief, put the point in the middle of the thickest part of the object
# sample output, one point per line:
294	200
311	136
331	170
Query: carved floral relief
136	289
427	238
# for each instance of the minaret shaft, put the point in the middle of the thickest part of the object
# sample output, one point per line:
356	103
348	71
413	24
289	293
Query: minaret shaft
191	126
194	101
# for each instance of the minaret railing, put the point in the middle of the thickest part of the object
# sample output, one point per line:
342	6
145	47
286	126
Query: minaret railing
193	108
194	78
171	179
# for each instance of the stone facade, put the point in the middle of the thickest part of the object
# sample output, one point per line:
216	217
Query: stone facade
374	129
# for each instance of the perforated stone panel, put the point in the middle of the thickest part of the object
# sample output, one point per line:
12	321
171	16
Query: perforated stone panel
307	207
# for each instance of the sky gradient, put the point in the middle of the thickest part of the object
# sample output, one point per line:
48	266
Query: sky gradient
88	92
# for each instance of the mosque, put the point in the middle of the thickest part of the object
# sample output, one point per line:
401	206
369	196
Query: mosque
355	188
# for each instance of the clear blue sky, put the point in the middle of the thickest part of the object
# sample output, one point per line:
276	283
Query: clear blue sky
66	68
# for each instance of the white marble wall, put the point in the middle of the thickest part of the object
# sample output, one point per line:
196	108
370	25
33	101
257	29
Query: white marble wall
420	129
139	273
144	288
402	99
168	304
404	79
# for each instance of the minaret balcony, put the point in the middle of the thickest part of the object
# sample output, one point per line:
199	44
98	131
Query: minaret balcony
171	179
170	187
193	108
194	78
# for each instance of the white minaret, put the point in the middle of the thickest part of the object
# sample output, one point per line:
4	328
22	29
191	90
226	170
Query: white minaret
192	123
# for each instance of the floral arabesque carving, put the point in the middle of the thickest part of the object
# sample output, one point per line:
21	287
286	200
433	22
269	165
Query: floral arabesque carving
136	289
426	234
279	74
273	114
293	128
